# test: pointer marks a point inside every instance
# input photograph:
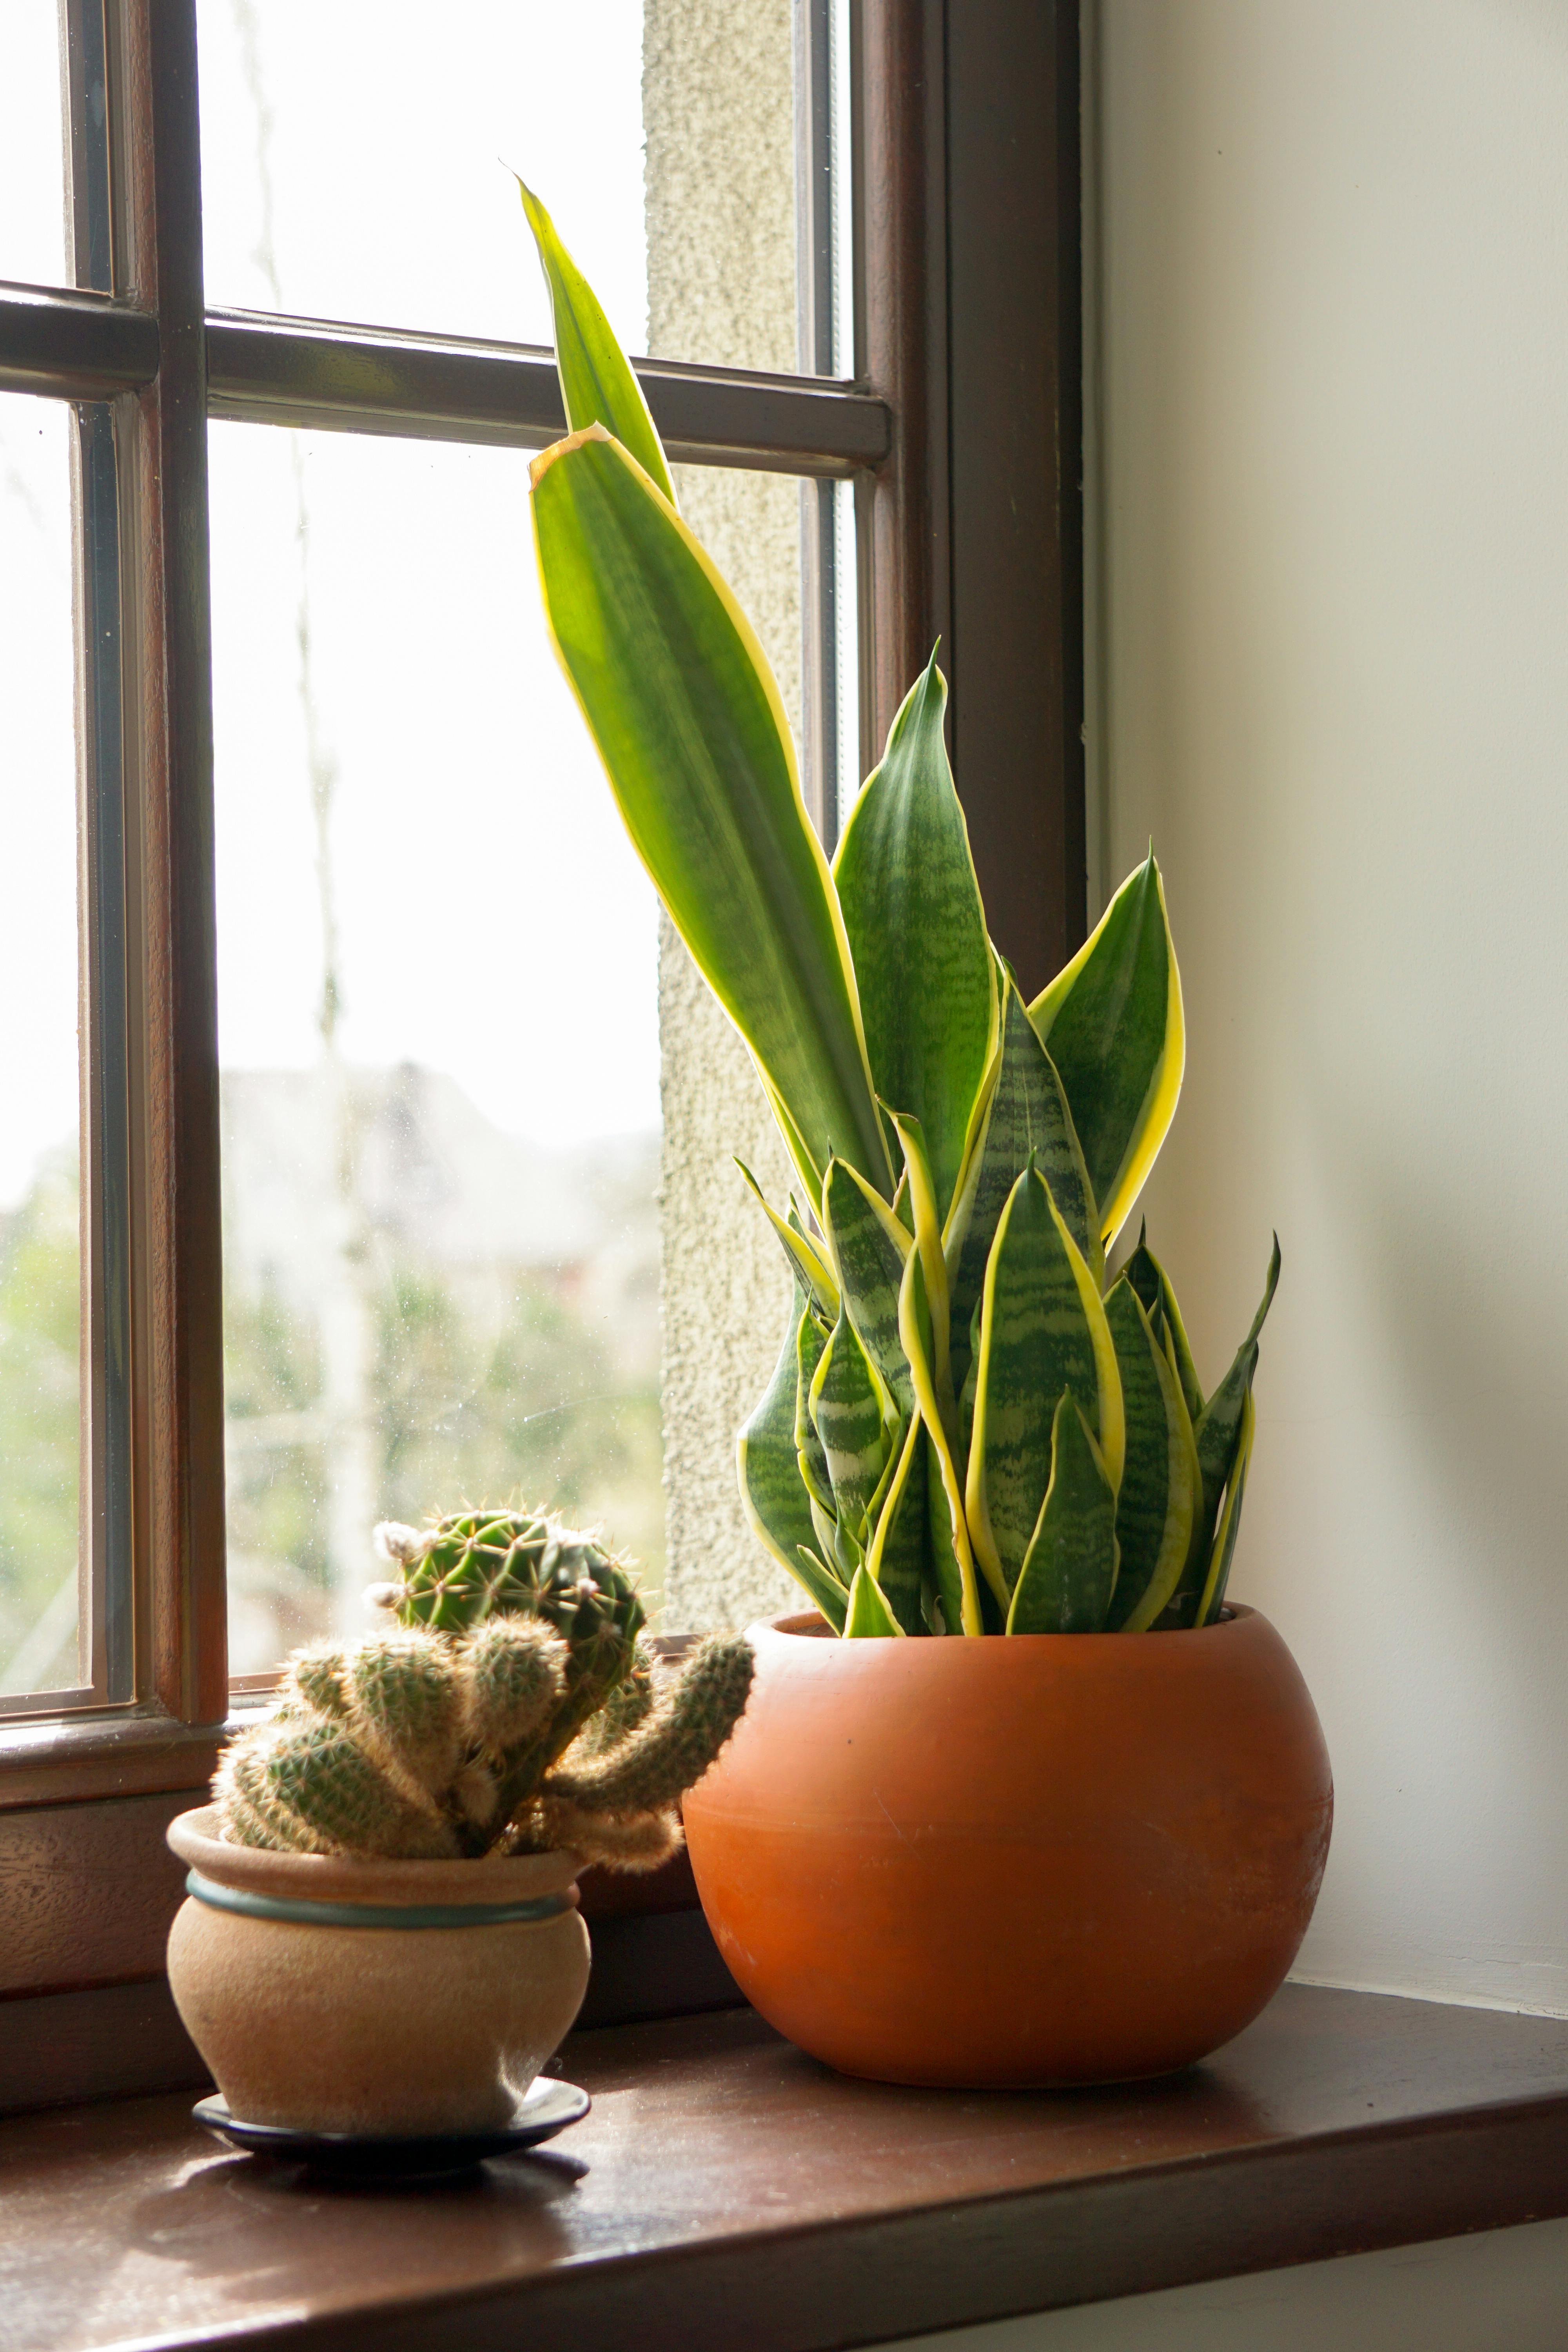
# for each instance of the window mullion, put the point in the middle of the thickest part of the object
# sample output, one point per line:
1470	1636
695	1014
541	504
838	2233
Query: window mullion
176	1450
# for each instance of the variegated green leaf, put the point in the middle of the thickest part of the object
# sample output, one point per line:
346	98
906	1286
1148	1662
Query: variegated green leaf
915	1333
926	1225
1069	1576
771	1495
822	1586
1111	1022
1042	1330
1219	1423
870	1247
810	1341
688	722
806	1262
1218	1434
858	1423
1158	1498
917	932
1223	1551
1152	1284
1028	1113
597	386
899	1553
869	1616
947	1596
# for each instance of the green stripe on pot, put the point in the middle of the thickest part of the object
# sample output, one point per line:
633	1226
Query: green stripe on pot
303	1913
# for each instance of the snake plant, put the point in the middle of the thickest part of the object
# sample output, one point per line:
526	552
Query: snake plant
971	1428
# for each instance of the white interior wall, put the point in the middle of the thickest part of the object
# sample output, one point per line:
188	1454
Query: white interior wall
1333	507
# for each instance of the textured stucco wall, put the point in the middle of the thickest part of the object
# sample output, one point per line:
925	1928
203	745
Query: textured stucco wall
718	113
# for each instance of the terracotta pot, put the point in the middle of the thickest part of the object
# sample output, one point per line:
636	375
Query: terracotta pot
1048	1859
329	1993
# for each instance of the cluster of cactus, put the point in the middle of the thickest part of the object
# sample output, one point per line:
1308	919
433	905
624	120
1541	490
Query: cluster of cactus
972	1427
513	1707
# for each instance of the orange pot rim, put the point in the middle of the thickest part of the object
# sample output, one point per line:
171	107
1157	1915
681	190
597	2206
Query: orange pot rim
811	1625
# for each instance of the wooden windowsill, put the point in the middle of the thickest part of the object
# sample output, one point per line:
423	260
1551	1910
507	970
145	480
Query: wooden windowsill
726	2189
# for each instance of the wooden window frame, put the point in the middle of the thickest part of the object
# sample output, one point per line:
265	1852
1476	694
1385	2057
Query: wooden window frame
962	433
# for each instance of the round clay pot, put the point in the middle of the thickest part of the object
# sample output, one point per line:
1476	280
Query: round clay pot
1028	1861
317	2013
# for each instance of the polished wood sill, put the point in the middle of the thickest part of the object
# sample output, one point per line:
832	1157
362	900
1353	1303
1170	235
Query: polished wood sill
727	2190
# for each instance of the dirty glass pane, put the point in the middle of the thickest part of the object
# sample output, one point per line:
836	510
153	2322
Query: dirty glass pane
439	1030
354	166
40	1259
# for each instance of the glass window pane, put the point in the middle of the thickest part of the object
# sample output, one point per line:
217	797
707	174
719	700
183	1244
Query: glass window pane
32	145
356	175
40	1260
438	1005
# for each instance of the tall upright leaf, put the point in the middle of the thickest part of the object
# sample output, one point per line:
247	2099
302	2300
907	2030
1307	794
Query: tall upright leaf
1218	1434
597	386
1229	1526
917	931
869	1615
771	1495
870	1247
858	1423
1028	1112
805	1261
811	1338
1042	1331
944	1477
899	1553
1158	1498
1069	1577
687	715
1152	1284
1111	1022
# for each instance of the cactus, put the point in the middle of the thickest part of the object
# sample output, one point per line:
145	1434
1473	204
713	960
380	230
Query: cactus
529	1720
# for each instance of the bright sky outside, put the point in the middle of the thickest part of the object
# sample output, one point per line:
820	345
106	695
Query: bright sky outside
494	922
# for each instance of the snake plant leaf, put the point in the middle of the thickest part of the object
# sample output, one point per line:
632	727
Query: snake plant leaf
1042	1330
1028	1112
1158	1497
1230	1518
806	1262
971	1383
955	1584
689	723
858	1426
949	1592
1218	1426
1152	1284
870	1247
835	1545
822	1587
1069	1577
926	1225
1218	1432
1111	1022
812	1463
917	932
597	384
771	1495
897	1556
869	1615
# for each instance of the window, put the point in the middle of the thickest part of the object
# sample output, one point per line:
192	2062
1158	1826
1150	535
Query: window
162	437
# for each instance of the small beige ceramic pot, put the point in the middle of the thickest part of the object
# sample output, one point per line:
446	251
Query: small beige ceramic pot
330	1993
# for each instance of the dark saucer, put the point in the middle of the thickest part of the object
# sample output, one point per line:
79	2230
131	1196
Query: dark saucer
547	2108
